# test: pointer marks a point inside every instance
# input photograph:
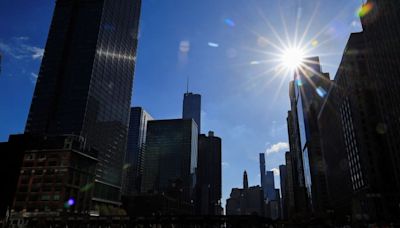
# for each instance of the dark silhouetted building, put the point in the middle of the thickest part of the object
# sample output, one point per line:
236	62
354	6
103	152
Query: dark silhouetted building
85	83
296	156
12	154
170	161
360	179
290	200
270	186
209	179
262	174
310	89
57	177
381	27
284	191
133	167
246	201
192	108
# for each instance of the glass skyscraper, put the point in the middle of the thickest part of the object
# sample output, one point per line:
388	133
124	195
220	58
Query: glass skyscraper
192	108
133	166
170	159
85	82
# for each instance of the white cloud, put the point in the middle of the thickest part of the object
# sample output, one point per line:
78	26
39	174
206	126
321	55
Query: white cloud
225	164
277	147
19	50
33	77
276	171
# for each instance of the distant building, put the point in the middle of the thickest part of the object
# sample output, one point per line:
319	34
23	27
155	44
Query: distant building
284	191
262	174
270	186
170	161
57	177
246	201
192	108
290	200
133	167
84	86
209	171
245	180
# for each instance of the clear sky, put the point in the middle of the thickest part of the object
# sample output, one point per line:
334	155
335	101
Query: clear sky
226	47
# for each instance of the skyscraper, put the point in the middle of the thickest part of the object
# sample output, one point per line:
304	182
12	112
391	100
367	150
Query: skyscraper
310	89
381	27
209	179
170	160
192	108
133	167
85	82
245	180
270	186
284	191
262	174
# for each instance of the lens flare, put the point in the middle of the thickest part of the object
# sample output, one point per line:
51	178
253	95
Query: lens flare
292	58
365	9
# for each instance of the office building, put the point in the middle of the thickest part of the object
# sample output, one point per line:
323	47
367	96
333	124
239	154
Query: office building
133	167
360	178
381	27
192	108
290	200
209	174
85	83
56	178
296	156
310	89
170	161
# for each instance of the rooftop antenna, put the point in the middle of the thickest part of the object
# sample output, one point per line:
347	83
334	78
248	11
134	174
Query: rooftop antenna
187	84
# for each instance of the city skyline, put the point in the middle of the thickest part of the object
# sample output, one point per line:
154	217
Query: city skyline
185	50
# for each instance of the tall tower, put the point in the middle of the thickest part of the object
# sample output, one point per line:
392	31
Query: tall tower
85	82
192	108
245	180
135	149
262	173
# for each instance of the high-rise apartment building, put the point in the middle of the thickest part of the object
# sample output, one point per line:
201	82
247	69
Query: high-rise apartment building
133	167
192	108
209	174
85	82
170	160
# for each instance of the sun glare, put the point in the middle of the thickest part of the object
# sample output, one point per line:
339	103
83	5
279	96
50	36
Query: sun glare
292	58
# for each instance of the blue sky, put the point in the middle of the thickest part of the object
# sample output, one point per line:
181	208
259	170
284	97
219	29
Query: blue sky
227	49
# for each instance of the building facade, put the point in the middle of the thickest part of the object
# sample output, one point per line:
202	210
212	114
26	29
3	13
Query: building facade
284	191
133	167
262	174
170	161
85	83
310	88
192	108
209	174
57	177
381	27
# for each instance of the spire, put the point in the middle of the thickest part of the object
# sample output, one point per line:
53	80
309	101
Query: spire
187	84
245	180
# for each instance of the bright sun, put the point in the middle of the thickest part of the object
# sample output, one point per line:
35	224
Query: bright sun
292	58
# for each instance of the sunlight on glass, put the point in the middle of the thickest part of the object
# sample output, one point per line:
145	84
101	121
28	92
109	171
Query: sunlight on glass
292	58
